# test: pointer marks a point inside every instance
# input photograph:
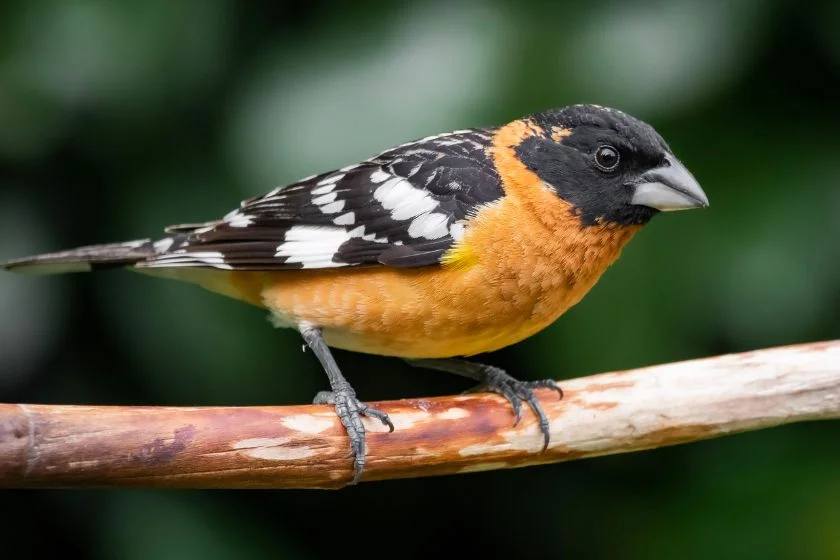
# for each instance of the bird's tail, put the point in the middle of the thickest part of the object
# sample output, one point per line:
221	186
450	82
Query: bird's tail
85	259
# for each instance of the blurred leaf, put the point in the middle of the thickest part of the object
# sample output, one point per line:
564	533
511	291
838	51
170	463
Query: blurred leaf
660	58
346	94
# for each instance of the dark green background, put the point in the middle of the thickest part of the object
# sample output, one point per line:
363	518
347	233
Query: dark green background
119	118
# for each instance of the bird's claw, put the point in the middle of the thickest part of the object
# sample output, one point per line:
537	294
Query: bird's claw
515	391
350	410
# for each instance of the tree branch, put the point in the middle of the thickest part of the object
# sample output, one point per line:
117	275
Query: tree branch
306	447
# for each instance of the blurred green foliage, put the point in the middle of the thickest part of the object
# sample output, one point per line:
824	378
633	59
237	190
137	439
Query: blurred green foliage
119	118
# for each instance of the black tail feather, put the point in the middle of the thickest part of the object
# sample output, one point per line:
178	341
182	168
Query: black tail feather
84	259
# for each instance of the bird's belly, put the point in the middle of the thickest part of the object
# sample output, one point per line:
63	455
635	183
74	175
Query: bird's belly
415	313
420	346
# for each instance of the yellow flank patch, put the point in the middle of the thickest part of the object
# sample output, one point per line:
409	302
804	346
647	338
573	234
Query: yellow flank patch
460	255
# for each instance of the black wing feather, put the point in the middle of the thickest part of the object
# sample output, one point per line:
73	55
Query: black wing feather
396	209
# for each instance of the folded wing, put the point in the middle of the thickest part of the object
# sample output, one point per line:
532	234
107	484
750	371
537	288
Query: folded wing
403	208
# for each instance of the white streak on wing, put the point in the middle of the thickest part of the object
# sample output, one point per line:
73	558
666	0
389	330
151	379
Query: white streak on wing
254	200
315	246
331	179
431	226
163	245
449	142
323	190
372	237
211	258
333	207
325	198
403	199
346	219
415	203
240	220
422	141
423	152
385	192
431	177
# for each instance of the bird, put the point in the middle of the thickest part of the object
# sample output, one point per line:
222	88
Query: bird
433	251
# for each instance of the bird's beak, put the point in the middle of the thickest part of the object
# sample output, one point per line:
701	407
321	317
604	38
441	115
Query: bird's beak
669	187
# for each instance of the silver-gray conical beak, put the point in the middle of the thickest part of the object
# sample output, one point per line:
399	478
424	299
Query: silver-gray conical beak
669	187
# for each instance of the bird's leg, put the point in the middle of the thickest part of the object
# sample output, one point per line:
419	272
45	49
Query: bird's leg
495	379
348	408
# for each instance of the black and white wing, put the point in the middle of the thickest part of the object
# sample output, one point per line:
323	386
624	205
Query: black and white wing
404	208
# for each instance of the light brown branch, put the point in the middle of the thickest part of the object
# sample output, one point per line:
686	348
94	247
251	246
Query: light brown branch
306	447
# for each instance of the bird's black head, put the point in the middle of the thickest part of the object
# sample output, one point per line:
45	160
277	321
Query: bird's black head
611	167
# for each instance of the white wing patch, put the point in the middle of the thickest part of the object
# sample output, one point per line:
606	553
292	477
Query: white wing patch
379	176
346	219
333	207
327	203
182	258
331	179
163	245
239	220
431	226
404	200
456	231
325	198
416	196
313	246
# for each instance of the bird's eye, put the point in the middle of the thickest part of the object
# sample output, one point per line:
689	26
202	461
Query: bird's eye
607	158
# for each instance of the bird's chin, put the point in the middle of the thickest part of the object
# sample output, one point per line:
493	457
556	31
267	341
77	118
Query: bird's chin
643	214
629	215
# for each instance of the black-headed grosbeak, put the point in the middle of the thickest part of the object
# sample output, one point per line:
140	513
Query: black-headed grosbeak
449	246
